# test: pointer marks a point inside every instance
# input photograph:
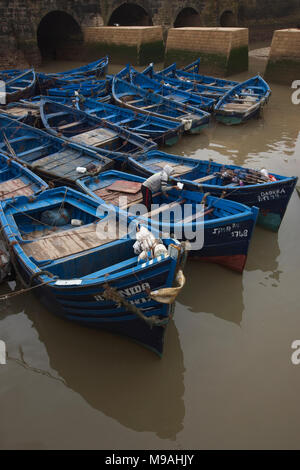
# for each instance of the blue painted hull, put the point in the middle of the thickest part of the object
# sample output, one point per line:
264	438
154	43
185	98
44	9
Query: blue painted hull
52	158
271	198
11	170
73	124
161	131
94	70
72	281
80	306
141	101
178	95
227	232
191	73
243	102
20	86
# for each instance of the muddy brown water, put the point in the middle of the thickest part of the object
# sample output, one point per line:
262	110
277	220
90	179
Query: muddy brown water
226	379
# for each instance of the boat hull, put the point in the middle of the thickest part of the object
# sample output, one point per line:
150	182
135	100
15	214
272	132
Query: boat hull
90	310
227	245
232	119
271	199
224	243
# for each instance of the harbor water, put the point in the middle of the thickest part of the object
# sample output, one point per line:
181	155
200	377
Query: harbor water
226	379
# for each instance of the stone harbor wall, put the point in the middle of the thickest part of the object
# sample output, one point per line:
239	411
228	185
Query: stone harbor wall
223	51
32	32
284	60
263	17
136	44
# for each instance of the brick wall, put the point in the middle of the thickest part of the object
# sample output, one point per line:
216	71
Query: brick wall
286	44
222	50
131	36
136	44
210	40
284	60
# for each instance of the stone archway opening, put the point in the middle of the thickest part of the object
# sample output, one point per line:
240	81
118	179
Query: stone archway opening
227	19
58	36
187	17
130	14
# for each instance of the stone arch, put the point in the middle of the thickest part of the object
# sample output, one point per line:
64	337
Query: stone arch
57	34
227	19
130	14
187	17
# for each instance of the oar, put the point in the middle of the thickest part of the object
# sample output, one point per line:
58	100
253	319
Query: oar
7	143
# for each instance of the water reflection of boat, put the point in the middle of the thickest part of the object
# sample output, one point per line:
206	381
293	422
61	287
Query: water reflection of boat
112	374
219	295
265	253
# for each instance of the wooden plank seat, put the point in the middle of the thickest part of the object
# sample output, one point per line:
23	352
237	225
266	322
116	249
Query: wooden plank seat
64	164
96	137
70	242
178	169
238	106
150	106
54	159
67	126
113	197
205	178
18	111
15	187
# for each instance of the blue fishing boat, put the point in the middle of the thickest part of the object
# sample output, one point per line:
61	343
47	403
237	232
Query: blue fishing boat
224	228
193	67
161	131
52	158
209	94
6	75
169	91
89	131
190	75
243	102
19	86
89	276
17	180
90	89
35	101
94	70
97	68
244	185
147	102
25	112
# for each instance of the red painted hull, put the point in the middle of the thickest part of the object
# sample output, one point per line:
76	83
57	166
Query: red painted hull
234	262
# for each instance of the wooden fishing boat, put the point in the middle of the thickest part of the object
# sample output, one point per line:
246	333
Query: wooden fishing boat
141	101
16	180
246	186
192	75
97	68
170	91
89	131
243	102
28	113
52	158
94	70
94	280
19	86
161	131
6	75
193	67
35	101
90	89
209	94
224	228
